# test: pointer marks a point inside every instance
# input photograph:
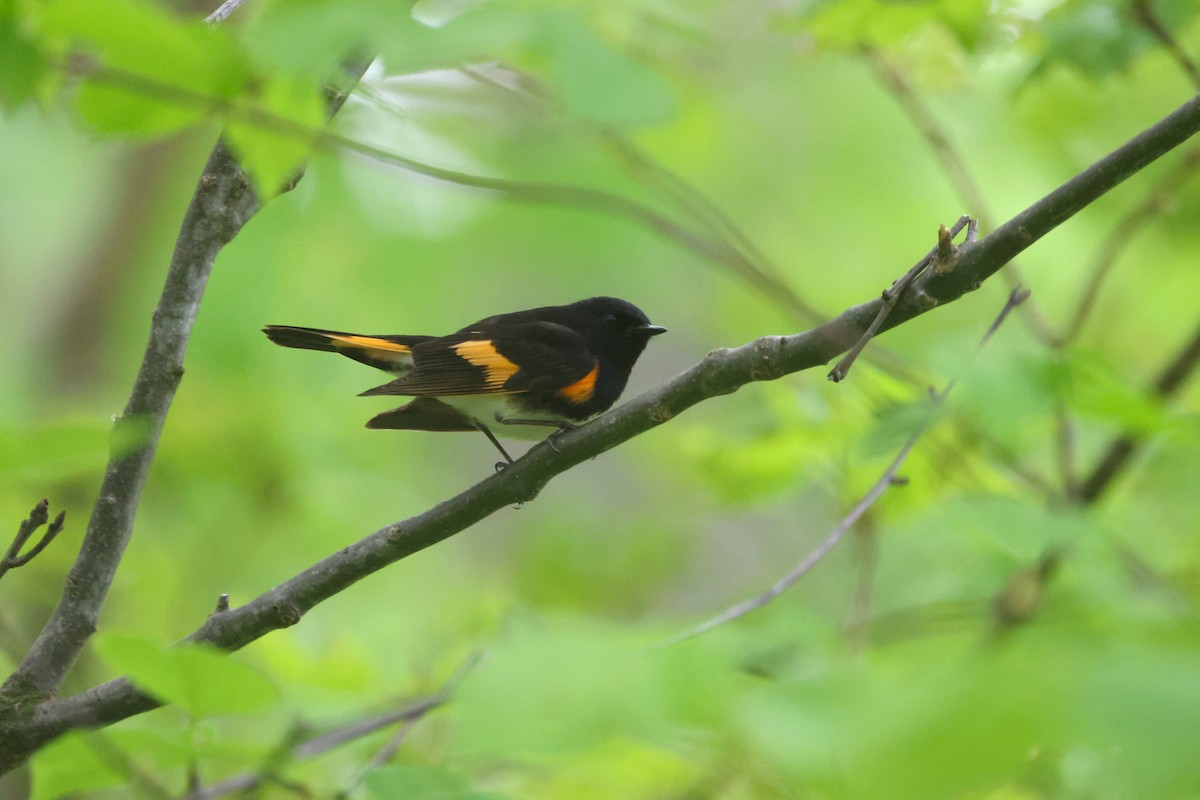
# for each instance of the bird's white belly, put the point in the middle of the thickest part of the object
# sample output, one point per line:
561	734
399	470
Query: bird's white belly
489	409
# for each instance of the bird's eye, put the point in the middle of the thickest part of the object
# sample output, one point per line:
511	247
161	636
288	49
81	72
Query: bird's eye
611	319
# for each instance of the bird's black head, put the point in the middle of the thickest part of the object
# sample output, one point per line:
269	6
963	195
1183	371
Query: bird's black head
616	319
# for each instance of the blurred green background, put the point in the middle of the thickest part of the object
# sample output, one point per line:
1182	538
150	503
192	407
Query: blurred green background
925	657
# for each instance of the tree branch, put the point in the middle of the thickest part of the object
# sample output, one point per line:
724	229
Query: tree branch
721	372
222	204
409	714
888	479
955	166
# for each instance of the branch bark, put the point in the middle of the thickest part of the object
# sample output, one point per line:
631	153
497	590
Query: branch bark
721	372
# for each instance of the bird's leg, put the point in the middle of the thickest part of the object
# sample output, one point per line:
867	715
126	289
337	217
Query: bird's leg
492	438
501	465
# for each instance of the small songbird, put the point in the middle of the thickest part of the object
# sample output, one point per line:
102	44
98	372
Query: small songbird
515	374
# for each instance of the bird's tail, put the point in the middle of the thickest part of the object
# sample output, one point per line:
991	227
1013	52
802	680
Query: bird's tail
389	353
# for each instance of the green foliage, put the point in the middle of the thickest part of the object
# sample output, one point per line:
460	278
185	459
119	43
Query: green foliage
73	764
979	635
422	783
198	679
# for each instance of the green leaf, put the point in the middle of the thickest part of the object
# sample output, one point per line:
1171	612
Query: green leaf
1096	37
597	79
22	63
275	134
154	71
417	783
61	448
71	764
1098	391
199	679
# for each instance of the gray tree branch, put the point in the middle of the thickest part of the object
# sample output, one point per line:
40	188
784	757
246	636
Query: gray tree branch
721	372
222	203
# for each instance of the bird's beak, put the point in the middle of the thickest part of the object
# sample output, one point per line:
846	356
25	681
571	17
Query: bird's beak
650	330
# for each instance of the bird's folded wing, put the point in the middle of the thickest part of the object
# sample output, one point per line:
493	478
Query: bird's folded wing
508	359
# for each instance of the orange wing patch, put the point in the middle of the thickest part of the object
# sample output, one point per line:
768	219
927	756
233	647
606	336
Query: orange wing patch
482	353
581	390
370	343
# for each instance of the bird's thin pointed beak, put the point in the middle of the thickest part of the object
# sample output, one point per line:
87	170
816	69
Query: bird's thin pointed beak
652	330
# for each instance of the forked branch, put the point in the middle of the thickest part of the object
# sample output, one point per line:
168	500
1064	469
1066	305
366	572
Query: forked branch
37	518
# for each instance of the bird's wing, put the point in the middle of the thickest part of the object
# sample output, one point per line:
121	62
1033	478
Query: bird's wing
508	359
423	414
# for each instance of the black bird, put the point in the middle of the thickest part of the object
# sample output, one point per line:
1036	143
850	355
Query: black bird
519	373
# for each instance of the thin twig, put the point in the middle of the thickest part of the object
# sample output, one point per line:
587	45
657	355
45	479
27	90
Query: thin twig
409	714
1146	15
863	595
1065	452
887	479
685	195
943	252
36	519
955	167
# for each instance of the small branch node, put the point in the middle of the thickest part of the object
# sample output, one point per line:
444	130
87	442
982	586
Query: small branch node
661	413
287	614
222	604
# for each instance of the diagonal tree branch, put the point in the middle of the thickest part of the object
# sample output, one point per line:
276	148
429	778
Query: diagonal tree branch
721	372
222	204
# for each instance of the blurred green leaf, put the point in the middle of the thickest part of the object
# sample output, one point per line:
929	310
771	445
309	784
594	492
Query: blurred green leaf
422	783
199	679
155	72
1096	37
849	24
64	447
274	134
1097	391
70	764
22	62
596	79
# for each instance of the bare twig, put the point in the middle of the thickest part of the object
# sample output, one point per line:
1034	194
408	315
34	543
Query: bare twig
942	255
863	597
409	715
955	167
888	478
721	372
683	194
36	519
1065	452
1146	15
